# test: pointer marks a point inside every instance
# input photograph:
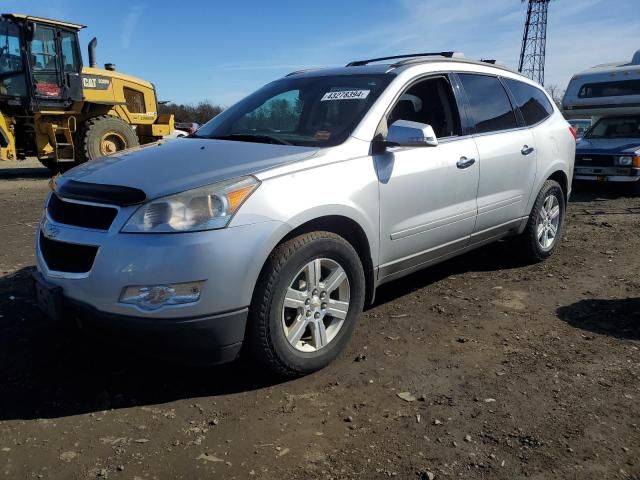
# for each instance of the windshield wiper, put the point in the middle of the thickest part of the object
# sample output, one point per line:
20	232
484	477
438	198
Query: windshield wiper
250	137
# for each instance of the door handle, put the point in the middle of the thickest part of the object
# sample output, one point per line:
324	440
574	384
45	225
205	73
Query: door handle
465	162
527	150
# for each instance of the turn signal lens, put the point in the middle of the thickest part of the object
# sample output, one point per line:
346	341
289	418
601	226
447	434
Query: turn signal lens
236	197
636	161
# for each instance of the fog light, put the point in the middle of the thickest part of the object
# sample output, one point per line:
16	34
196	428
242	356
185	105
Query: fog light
152	297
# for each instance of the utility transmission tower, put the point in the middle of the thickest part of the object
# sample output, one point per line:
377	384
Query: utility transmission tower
534	41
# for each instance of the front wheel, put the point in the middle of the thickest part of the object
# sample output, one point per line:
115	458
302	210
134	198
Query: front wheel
544	227
104	135
306	303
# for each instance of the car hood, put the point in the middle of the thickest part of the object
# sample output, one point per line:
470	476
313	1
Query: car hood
172	166
608	146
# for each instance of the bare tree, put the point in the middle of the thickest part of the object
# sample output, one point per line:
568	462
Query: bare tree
556	93
199	113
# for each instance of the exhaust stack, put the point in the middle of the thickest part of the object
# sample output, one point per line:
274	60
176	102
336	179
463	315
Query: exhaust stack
92	52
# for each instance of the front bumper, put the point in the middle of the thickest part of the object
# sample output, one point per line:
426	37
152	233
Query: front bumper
211	330
202	340
608	174
606	178
227	261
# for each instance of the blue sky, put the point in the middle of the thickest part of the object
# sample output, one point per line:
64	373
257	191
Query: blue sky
222	50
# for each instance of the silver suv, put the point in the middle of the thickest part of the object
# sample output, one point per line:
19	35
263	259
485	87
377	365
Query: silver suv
272	226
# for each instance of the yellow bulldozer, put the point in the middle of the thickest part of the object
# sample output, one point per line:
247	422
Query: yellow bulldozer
63	113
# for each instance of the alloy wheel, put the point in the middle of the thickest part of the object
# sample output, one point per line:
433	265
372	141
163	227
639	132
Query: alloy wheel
548	222
316	305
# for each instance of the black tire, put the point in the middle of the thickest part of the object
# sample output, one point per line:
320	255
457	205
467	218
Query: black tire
530	247
96	129
266	340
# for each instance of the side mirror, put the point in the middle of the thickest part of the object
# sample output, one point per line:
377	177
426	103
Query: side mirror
404	133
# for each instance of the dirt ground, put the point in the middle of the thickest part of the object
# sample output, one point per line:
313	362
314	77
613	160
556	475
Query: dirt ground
478	368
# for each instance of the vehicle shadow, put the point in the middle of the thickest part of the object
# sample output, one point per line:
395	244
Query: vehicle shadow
49	371
583	192
502	255
619	318
23	173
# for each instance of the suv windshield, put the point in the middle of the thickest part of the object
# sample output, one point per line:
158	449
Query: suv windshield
619	127
317	111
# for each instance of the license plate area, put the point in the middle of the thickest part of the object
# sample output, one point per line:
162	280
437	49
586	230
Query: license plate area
48	297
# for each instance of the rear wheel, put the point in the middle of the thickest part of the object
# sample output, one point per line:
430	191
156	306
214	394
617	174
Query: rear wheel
306	304
104	135
544	228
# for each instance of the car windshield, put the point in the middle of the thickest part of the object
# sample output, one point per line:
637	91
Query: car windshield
317	111
619	127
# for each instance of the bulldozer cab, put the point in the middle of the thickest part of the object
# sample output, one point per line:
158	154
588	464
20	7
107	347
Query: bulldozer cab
40	63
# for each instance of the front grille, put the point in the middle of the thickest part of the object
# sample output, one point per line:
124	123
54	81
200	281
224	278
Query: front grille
81	215
586	160
67	257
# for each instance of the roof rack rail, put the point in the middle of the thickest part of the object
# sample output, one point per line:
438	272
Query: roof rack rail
359	63
492	61
300	71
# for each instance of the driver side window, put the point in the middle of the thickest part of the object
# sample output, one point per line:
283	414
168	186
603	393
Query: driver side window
44	61
431	102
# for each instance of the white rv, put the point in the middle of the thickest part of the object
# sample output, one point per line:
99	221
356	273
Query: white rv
610	150
609	89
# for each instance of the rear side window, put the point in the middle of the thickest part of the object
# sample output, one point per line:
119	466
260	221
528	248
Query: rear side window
532	102
490	108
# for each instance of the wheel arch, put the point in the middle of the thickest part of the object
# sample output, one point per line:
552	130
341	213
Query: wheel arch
561	177
556	171
352	232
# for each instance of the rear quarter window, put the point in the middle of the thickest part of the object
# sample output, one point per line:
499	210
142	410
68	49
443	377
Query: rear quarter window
489	104
532	102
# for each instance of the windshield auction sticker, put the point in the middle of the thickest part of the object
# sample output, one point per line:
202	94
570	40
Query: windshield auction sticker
345	95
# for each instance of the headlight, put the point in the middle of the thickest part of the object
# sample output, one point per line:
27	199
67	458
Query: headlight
625	161
204	208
